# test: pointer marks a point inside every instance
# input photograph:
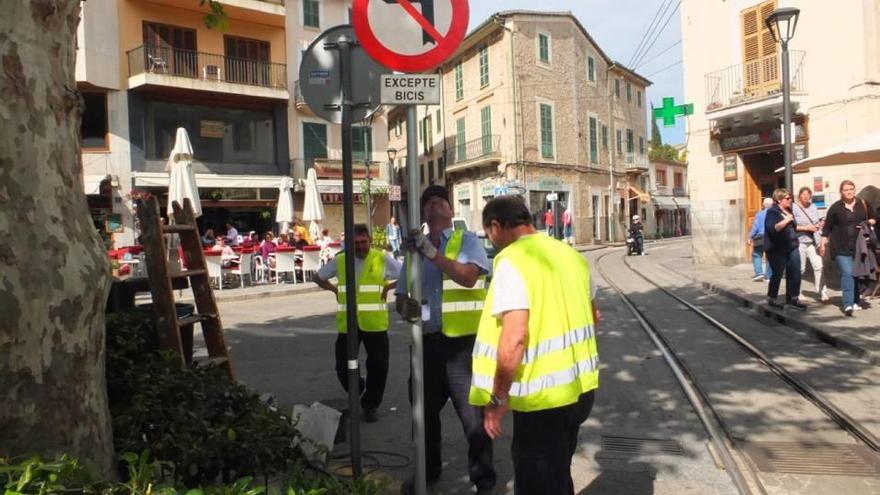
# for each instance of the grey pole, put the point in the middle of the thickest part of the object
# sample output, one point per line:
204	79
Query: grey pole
786	118
414	284
345	45
369	198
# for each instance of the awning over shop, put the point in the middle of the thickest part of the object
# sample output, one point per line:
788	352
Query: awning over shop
334	186
212	181
664	202
682	202
635	192
92	184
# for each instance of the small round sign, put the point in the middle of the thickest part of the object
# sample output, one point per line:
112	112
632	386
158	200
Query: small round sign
320	78
405	38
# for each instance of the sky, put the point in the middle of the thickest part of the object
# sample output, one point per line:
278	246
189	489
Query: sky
618	26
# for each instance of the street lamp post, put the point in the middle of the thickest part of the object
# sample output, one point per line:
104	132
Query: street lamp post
392	178
782	23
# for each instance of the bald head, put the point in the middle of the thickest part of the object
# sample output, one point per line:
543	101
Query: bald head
768	202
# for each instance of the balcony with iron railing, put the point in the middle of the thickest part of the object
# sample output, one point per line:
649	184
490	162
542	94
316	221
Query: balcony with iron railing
476	151
167	66
636	161
753	81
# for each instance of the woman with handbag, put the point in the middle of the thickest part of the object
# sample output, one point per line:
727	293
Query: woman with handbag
842	228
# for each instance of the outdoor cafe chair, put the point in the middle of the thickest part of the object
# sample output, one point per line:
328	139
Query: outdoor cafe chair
243	269
213	259
261	269
311	260
285	262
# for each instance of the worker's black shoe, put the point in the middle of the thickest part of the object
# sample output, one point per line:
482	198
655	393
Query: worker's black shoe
773	303
797	305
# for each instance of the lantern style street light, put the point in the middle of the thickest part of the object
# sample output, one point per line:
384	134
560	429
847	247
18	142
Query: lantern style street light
782	24
392	179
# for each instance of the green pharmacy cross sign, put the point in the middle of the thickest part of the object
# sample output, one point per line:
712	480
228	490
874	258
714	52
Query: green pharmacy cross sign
670	110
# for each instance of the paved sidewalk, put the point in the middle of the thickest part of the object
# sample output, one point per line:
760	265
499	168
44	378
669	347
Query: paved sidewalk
858	335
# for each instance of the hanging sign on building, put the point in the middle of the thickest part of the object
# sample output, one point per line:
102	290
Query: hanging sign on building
410	89
410	35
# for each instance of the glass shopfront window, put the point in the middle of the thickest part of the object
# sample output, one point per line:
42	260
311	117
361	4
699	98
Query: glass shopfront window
218	135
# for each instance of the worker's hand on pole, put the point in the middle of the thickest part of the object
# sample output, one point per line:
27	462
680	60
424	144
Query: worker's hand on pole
417	241
411	310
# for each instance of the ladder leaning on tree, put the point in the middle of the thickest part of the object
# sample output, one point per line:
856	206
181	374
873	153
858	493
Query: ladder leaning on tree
168	324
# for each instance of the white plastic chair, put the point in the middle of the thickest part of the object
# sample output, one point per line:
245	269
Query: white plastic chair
261	269
244	267
285	262
311	262
215	267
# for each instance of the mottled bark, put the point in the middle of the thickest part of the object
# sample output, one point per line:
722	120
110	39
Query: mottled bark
53	271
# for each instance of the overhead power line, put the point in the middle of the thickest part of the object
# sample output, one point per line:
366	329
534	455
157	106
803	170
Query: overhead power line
657	35
655	57
664	69
648	31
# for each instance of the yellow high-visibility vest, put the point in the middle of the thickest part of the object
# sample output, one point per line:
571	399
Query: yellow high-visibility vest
462	306
561	361
372	314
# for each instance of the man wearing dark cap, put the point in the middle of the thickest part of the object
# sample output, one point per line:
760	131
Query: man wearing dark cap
454	268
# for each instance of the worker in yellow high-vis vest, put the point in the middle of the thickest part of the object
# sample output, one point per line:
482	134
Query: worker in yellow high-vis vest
376	274
535	351
454	268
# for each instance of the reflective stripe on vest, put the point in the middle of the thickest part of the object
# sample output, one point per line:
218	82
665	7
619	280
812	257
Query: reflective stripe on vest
462	306
561	360
372	313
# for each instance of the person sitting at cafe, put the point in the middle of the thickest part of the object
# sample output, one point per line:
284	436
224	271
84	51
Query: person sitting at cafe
266	248
209	239
297	241
252	240
283	240
228	258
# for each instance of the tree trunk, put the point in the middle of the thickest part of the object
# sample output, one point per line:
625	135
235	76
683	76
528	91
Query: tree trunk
53	272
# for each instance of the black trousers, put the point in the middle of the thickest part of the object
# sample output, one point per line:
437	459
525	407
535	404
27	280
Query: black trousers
447	376
790	264
543	445
376	345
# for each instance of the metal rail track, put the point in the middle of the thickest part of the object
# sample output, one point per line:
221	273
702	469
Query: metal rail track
743	477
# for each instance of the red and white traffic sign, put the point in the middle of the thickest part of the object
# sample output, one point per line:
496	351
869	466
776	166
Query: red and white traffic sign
410	35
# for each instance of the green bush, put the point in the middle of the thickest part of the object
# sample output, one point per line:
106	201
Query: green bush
379	239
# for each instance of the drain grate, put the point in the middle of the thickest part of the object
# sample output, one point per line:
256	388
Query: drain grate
816	459
633	446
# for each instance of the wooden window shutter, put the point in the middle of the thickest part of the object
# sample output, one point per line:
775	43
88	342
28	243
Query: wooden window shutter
760	64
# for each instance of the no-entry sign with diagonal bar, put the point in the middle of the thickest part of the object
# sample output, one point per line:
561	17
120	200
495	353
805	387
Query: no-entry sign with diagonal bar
410	35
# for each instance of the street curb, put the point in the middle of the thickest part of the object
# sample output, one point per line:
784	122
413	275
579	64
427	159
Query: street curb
259	295
794	323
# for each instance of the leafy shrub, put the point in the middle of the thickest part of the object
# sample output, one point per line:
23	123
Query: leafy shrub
199	422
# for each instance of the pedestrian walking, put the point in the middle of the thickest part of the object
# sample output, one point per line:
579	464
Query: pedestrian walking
781	244
454	270
548	221
566	226
376	274
763	272
808	225
392	235
843	224
536	348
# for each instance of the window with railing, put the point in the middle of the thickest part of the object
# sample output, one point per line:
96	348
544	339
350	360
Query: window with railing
629	141
484	66
678	180
641	145
460	136
661	177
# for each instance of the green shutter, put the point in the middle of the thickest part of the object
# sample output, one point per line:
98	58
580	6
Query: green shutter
591	65
484	66
311	13
361	143
314	143
629	141
546	131
460	144
594	141
459	82
605	137
486	128
544	48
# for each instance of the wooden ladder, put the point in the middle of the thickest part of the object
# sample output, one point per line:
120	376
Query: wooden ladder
168	324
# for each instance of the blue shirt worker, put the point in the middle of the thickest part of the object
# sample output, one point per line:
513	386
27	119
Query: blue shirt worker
375	275
454	268
535	351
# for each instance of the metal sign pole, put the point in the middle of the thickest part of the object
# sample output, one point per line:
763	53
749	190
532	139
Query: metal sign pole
414	284
345	44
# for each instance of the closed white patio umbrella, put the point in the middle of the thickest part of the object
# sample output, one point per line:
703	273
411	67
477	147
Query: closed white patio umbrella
313	209
182	181
284	213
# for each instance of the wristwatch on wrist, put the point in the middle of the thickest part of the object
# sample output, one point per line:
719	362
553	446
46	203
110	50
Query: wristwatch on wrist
496	401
